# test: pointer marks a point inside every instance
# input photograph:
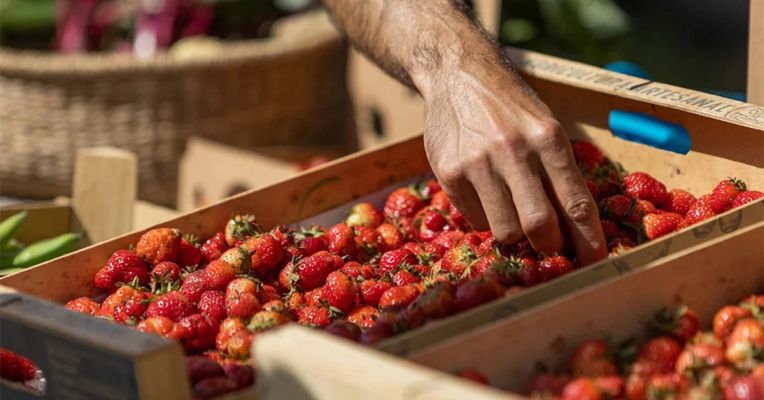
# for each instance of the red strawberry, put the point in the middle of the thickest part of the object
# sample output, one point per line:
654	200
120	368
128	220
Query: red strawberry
341	240
218	274
212	387
394	259
745	344
458	259
200	367
617	207
267	254
641	208
339	291
196	333
390	236
264	320
239	286
317	316
268	293
277	306
357	270
700	210
724	194
456	219
663	351
131	310
284	235
610	229
365	214
194	285
667	386
434	221
226	330
640	185
746	197
159	244
592	359
404	277
165	270
609	179
344	328
15	367
161	326
552	267
83	305
242	374
581	389
524	270
440	202
588	156
173	305
429	188
547	384
119	297
311	245
657	225
398	297
371	291
367	241
679	201
681	324
699	356
311	272
363	316
403	203
748	387
214	247
212	305
594	189
726	318
240	227
123	266
238	258
477	291
243	305
474	376
188	254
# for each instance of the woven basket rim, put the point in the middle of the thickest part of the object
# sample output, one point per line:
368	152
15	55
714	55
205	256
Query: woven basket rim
293	34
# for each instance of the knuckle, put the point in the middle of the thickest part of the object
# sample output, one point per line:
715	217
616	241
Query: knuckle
506	233
579	208
538	224
451	174
549	134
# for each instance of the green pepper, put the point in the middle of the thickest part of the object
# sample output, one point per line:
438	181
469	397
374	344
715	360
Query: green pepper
9	251
10	225
45	250
8	271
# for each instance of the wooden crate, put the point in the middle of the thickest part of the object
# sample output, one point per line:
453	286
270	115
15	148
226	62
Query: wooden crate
509	351
580	95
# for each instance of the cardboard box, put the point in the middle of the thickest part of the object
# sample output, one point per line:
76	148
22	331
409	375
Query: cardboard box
580	95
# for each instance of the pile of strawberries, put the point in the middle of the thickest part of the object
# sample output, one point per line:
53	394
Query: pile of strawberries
679	362
369	277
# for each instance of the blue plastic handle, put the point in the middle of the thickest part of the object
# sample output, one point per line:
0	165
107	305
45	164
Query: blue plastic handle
642	128
628	68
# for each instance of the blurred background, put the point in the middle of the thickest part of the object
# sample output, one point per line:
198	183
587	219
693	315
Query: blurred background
214	97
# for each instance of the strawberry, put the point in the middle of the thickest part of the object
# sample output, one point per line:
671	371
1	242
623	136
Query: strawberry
173	305
277	306
15	367
699	356
608	177
188	254
592	359
161	326
428	188
745	344
243	305
311	272
341	240
239	286
724	194
617	207
123	266
241	374
594	189
640	185
316	316
240	228
344	328
165	270
679	201
339	291
357	270
367	241
474	376
525	270
194	285
363	316
214	247
119	297
581	389
218	274
657	225
398	297
268	293
283	235
663	351
641	208
405	277
365	214
212	305
267	254
239	345
681	324
264	320
746	197
587	155
212	387
390	236
238	258
392	260
726	318
547	384
434	221
200	367
667	386
195	332
744	388
440	202
159	244
700	210
131	310
476	291
372	290
311	245
83	305
610	229
456	219
226	330
458	260
554	266
403	203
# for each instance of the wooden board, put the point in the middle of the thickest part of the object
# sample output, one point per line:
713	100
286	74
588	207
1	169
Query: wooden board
756	53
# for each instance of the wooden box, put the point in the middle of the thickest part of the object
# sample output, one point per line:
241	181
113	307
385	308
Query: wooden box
580	95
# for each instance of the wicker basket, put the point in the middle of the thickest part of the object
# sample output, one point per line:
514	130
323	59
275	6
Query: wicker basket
289	88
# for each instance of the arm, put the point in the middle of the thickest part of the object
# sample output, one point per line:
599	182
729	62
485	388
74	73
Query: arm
498	151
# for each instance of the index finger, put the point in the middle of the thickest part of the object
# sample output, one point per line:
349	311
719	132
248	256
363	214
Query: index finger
578	206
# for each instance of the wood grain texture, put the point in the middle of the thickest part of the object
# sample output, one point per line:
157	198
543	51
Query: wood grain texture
756	53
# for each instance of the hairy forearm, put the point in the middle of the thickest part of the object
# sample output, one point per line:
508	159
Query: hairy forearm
415	40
